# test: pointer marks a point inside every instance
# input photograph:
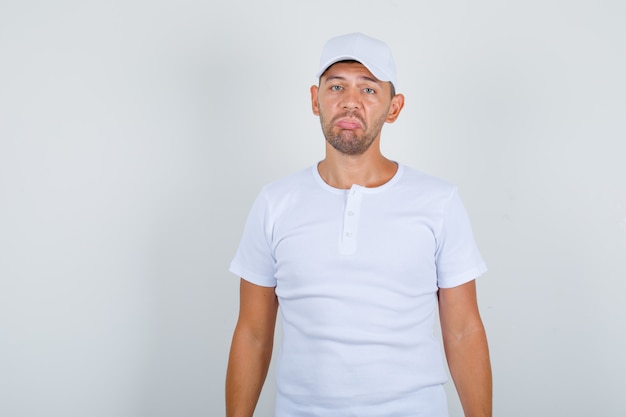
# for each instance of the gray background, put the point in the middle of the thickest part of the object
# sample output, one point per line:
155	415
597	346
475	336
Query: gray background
134	136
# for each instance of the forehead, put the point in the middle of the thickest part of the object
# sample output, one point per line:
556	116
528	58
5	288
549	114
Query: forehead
345	69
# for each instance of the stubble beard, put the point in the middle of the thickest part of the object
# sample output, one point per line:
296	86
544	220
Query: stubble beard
348	142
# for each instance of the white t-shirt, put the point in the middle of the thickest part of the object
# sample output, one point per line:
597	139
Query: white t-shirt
356	274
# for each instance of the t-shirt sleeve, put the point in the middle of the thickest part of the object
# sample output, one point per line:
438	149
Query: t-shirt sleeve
458	259
254	260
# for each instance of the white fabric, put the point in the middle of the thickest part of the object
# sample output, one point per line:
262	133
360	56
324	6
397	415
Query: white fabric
356	273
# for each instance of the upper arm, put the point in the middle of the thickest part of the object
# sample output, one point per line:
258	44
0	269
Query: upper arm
458	310
457	256
258	307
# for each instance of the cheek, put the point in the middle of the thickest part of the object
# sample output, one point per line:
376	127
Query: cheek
324	107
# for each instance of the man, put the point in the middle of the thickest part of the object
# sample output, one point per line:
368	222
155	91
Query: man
359	251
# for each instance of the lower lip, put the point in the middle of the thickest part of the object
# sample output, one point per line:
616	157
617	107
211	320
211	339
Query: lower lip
348	125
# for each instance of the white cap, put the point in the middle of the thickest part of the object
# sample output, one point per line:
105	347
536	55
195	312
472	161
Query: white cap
375	55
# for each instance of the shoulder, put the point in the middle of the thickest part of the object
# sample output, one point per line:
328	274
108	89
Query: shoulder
415	181
283	191
290	183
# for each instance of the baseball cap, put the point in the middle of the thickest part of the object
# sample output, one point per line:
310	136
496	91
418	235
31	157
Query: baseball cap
374	54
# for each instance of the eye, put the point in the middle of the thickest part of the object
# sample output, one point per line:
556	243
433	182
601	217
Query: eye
335	88
368	90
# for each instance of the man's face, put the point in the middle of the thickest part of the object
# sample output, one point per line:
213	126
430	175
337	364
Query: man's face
353	105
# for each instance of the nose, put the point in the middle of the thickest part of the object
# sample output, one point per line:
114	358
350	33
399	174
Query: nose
350	98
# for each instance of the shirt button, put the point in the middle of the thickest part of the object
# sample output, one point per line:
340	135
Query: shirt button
350	213
348	234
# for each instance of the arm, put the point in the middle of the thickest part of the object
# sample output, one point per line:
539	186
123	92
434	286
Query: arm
465	344
251	348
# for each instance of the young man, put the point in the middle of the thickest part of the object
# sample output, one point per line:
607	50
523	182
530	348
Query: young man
359	251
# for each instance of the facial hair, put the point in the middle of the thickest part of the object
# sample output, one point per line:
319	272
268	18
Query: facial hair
346	141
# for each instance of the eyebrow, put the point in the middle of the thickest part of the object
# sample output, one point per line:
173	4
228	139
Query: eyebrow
339	77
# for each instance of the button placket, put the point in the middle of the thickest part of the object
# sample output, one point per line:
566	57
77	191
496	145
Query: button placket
351	220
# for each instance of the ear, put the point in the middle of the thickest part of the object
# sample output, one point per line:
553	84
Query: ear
314	103
397	103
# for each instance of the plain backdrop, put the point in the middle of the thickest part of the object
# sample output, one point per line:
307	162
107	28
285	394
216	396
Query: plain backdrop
134	135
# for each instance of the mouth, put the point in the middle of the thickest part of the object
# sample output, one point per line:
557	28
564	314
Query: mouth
349	123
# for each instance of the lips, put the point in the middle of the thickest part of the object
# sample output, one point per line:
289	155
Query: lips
348	123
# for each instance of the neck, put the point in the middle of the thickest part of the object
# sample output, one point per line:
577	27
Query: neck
370	169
